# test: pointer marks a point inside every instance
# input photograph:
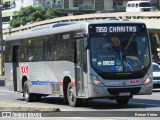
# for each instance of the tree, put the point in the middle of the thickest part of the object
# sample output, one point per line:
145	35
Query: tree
157	4
32	14
14	23
53	13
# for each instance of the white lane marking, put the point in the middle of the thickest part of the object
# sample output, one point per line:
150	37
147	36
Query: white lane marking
2	94
145	104
6	91
132	103
157	94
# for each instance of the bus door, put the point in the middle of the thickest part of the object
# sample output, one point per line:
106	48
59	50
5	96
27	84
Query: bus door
79	79
15	65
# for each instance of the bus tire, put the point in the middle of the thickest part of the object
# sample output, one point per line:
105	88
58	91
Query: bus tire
123	101
72	100
29	97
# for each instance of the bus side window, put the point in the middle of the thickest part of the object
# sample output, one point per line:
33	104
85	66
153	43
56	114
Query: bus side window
39	50
51	51
23	51
129	5
69	46
61	47
22	57
8	52
29	51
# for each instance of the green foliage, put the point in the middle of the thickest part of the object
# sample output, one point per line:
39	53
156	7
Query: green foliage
32	14
53	13
157	4
15	23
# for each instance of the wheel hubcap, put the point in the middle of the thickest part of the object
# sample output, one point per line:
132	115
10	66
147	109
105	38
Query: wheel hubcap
71	96
26	92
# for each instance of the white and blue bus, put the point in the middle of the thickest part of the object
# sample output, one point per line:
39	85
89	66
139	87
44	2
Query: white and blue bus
78	61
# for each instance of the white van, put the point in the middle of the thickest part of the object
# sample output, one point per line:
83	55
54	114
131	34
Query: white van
138	6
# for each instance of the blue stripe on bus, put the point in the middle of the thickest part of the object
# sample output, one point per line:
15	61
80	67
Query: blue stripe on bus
43	83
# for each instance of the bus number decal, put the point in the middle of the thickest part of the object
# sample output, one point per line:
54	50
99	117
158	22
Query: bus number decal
112	29
101	29
134	82
24	69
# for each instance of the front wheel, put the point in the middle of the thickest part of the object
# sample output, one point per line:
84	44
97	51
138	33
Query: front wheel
122	101
72	100
29	97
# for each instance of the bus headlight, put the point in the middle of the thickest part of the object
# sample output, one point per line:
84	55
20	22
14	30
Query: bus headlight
96	81
148	80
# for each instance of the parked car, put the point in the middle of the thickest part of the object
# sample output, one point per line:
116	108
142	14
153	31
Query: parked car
139	6
156	75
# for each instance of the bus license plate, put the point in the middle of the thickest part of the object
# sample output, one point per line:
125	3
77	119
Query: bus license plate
124	93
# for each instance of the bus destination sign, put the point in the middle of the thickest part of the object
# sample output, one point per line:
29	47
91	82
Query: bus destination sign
116	28
112	29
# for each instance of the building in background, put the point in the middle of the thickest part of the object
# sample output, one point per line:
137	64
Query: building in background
72	7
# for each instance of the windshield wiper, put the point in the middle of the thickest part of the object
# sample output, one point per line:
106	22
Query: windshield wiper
129	41
124	52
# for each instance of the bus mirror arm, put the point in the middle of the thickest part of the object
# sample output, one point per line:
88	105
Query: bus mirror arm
86	45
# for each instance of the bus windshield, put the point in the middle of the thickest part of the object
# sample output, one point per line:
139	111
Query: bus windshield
120	53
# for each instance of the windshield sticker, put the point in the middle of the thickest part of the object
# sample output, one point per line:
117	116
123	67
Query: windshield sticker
94	60
118	62
99	63
108	62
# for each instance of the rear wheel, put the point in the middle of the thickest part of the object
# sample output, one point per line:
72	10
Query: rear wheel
122	101
72	100
29	97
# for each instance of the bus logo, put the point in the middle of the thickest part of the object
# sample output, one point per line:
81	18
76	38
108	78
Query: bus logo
134	82
24	69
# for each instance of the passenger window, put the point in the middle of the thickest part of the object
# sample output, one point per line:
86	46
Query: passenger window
52	52
28	50
133	5
38	50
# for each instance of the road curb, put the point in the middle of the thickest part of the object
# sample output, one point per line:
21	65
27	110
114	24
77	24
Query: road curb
22	106
37	109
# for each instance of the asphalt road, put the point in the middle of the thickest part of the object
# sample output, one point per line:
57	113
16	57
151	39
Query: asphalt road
93	108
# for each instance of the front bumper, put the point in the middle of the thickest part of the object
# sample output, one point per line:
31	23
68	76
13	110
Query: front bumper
104	92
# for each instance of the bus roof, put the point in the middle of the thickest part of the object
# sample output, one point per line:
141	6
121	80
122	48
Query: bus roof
60	28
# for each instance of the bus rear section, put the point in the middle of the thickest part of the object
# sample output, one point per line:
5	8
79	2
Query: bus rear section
120	61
